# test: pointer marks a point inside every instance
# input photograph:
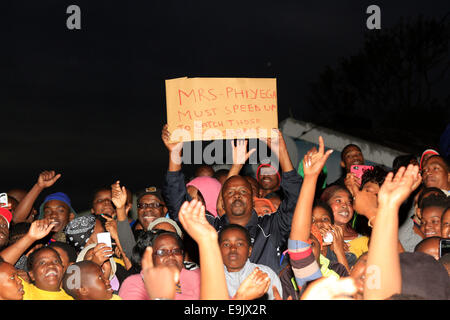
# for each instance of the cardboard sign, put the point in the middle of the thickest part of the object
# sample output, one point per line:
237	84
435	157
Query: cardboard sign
221	108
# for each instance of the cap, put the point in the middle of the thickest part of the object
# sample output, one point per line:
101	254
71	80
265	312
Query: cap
428	151
166	220
5	213
61	196
152	191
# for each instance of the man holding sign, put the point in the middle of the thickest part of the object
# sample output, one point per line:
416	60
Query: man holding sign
269	233
220	108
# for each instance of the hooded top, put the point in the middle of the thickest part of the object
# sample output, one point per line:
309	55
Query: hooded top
210	189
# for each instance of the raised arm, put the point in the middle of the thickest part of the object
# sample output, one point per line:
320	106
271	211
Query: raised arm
313	163
278	146
240	156
38	230
213	285
119	199
174	148
111	226
383	274
46	179
174	188
125	236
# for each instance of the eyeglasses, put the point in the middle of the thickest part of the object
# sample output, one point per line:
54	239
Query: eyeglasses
103	200
165	252
150	205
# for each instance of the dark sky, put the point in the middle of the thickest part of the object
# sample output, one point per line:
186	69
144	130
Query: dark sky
91	103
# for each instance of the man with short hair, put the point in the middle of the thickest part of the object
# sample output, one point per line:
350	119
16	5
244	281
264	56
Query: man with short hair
350	155
436	173
269	233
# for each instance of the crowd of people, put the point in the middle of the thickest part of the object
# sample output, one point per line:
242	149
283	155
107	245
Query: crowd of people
283	234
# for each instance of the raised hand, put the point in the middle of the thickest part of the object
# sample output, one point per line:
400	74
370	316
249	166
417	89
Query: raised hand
100	253
192	217
213	285
352	183
254	286
160	282
314	160
40	228
365	203
273	141
330	289
47	179
119	195
397	189
111	227
240	154
171	146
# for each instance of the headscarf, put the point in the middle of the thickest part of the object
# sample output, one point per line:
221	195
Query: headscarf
316	233
79	230
266	202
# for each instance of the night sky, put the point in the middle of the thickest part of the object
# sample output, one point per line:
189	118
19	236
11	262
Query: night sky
90	103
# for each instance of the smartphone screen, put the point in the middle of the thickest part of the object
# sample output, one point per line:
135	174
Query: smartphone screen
358	170
3	200
104	237
444	247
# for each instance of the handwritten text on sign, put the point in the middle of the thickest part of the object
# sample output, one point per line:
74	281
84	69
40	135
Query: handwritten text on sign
221	108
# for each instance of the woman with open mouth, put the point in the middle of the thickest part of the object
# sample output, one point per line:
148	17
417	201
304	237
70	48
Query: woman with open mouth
341	202
46	272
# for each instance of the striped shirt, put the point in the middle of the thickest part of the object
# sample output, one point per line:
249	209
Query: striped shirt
304	264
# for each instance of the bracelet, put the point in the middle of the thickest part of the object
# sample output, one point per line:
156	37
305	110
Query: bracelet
369	223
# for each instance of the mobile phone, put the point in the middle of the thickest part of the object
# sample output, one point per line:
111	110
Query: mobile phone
328	239
359	170
104	237
444	247
3	200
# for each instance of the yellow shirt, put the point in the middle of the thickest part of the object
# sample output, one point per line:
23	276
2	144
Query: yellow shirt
34	293
115	297
326	272
359	245
119	261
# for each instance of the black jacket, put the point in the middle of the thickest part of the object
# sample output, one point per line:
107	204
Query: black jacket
269	233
